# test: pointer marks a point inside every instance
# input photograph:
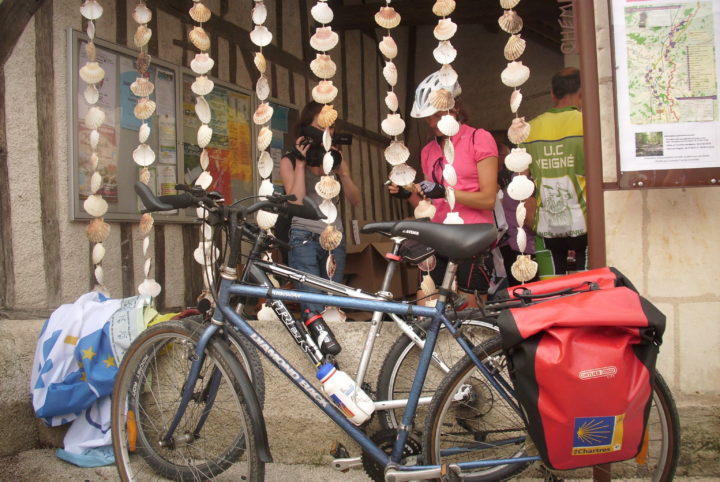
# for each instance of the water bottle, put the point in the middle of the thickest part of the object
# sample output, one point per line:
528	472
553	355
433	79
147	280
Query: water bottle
321	333
347	396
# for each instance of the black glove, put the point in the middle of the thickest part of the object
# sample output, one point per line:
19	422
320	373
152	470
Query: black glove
432	190
402	193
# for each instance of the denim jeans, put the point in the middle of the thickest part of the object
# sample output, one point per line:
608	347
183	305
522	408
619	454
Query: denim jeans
307	255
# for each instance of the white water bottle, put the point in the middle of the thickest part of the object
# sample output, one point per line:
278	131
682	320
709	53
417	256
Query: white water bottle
342	390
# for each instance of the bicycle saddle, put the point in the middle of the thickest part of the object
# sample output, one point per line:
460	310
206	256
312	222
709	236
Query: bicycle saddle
454	241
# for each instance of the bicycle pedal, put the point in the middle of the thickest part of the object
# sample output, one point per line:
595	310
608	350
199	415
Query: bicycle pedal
338	451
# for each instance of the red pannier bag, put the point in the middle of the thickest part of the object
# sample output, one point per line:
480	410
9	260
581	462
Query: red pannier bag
582	367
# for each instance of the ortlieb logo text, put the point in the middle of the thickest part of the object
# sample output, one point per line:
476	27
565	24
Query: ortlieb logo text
608	372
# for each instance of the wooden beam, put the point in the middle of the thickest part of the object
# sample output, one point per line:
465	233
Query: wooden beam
14	16
121	22
7	263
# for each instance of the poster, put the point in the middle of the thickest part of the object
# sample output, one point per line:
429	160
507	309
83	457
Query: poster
667	58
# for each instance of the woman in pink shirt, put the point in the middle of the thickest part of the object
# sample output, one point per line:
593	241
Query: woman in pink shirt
475	192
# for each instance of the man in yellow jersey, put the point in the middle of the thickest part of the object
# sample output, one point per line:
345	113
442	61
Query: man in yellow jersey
558	169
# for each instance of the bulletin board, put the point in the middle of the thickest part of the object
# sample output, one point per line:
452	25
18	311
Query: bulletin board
173	134
284	125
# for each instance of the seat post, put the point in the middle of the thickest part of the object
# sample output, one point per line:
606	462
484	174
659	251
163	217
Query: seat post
447	281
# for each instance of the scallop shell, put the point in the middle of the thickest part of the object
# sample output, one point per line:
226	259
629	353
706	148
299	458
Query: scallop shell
201	64
450	197
263	114
204	159
262	88
92	73
94	118
391	101
443	8
146	223
510	22
402	174
328	208
327	116
521	240
325	92
518	160
204	180
441	99
91	94
520	213
322	13
264	138
149	287
142	14
98	253
453	218
96	182
91	30
449	174
519	130
142	87
427	285
145	245
397	153
143	155
445	53
327	187
334	314
330	265
265	164
428	264
98	230
520	188
330	238
260	62
424	209
142	36
267	315
449	151
524	268
144	109
204	136
91	10
327	140
261	36
448	125
515	74
94	139
265	219
387	17
328	162
507	4
393	125
200	13
388	47
144	176
324	39
514	47
94	160
515	100
445	29
143	62
202	85
95	205
99	274
143	133
266	188
390	73
259	14
205	253
323	66
199	38
447	76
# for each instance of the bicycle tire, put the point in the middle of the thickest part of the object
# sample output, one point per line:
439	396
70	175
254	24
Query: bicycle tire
244	351
147	389
400	364
663	425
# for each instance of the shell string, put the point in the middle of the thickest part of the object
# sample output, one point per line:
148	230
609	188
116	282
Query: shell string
518	161
93	74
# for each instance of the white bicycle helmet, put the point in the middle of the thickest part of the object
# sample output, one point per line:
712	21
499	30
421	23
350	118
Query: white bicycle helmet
422	107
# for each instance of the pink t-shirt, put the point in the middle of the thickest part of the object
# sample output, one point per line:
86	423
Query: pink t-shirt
471	146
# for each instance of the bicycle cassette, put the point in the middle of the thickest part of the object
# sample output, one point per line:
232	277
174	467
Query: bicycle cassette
385	439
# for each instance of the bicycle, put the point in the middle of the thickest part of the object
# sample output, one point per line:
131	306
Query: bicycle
175	443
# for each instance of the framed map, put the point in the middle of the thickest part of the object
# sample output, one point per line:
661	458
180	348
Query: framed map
667	66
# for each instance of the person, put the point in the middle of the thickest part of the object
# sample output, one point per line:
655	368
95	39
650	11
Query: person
300	170
476	166
558	169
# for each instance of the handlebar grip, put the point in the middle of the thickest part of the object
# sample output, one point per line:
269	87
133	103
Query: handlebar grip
153	203
179	201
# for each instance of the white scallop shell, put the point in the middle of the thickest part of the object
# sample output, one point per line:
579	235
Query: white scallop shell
424	209
146	245
323	66
202	109
94	139
427	286
143	133
263	114
402	174
264	138
94	160
515	100
266	188
322	13
514	47
328	208
445	29
510	22
261	36
333	314
393	125
521	240
390	73
99	274
260	62
325	92
142	14
447	77
448	125
388	47
199	12
98	253
449	151
324	39
520	188
265	164
142	36
149	287
443	8
327	187
508	4
144	175
202	64
204	180
204	159
96	182
397	153
207	231
95	205
202	85
518	160
328	162
515	74
267	315
144	109
520	213
259	14
327	139
142	87
143	155
199	38
91	10
91	30
387	17
391	101
206	253
524	268
445	53
449	174
519	130
147	266
428	264
91	94
204	136
453	218
265	219
262	88
94	118
450	197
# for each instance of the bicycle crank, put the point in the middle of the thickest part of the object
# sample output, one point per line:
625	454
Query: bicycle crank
385	439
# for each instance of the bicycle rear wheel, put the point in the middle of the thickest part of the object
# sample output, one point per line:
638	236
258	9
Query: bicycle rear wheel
146	395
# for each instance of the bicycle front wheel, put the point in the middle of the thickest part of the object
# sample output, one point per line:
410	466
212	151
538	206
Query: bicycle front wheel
214	439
